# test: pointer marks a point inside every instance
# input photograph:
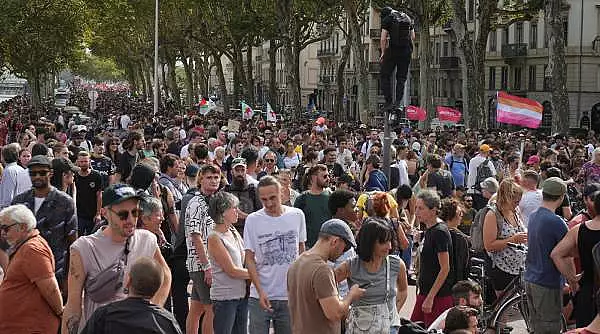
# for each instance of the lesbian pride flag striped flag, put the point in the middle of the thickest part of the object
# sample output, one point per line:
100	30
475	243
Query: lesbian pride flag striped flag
518	111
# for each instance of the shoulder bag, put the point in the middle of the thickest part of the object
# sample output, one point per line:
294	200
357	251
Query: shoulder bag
104	285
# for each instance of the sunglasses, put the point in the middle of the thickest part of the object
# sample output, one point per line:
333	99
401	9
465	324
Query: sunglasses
123	215
5	228
269	160
38	173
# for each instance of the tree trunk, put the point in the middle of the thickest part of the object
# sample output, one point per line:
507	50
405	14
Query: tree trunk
273	98
292	75
425	96
175	93
130	75
472	54
142	76
557	66
149	73
340	111
189	79
221	78
249	75
362	66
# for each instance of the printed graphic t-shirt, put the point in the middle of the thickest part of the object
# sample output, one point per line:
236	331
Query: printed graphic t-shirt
274	242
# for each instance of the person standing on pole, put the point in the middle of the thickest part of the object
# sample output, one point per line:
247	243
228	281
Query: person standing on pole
397	27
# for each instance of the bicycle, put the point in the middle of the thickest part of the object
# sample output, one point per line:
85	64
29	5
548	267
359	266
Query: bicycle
509	313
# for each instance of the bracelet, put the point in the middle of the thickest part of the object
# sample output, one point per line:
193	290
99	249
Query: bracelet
205	266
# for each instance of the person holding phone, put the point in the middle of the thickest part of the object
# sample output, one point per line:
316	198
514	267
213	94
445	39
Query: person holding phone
383	277
315	306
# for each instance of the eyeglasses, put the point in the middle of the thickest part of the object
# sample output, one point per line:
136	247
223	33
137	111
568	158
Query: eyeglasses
5	228
38	173
123	215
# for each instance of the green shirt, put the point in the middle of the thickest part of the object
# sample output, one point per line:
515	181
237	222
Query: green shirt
316	212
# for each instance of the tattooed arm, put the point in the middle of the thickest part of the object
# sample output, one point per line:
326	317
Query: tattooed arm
72	312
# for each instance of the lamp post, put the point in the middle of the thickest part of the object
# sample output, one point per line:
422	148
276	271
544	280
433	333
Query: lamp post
156	91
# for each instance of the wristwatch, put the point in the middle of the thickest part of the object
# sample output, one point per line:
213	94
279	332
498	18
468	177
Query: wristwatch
205	266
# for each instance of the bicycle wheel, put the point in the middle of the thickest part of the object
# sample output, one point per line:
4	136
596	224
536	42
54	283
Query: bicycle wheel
513	317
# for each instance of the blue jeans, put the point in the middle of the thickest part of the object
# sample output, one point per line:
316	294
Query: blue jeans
231	316
407	253
394	330
260	320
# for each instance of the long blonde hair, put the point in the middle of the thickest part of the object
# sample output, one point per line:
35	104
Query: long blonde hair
507	192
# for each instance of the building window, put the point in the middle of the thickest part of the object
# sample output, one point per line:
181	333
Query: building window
504	36
532	78
492	82
566	30
504	78
547	79
533	36
519	33
444	85
445	53
437	52
493	41
517	78
471	10
453	49
546	35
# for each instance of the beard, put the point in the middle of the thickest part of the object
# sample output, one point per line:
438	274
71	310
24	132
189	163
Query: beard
39	184
239	182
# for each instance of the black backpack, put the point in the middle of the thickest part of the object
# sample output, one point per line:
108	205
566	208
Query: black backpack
483	172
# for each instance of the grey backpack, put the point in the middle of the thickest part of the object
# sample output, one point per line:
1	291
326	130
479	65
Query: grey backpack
477	226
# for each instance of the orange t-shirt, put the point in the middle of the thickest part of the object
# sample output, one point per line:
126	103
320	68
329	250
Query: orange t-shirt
22	307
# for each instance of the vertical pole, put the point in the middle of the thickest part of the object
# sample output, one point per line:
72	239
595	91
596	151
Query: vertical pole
156	92
387	139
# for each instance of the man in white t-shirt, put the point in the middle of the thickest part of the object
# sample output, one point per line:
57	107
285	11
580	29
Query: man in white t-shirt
532	196
274	236
464	293
125	121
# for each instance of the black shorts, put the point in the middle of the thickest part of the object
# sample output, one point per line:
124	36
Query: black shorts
500	279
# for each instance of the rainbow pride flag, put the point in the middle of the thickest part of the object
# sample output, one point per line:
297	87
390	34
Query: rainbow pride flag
517	110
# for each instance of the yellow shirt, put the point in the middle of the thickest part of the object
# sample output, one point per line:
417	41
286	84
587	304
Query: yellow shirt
362	200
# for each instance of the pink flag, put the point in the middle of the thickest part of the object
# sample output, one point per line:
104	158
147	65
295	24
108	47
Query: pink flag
414	113
518	110
447	114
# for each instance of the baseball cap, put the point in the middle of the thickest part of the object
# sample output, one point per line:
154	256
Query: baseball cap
338	228
554	186
490	184
39	160
238	162
416	146
117	193
534	159
485	148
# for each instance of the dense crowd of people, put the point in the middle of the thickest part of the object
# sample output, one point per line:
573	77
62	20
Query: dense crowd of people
129	221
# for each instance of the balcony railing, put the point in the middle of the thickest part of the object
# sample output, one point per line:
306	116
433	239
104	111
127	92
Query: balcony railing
514	50
374	67
326	53
449	62
375	33
325	79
